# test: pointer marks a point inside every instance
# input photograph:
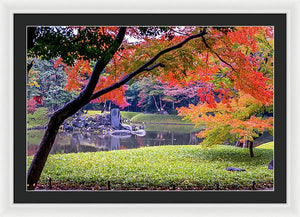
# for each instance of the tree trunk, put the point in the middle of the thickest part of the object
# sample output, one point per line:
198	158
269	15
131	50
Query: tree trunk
104	107
109	106
251	148
155	103
41	156
160	104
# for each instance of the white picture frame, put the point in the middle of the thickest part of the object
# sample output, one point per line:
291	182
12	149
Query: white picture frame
291	8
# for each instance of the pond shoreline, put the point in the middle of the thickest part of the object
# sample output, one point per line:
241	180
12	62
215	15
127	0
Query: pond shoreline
41	127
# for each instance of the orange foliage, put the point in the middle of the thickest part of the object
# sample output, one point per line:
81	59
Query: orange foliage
229	66
238	116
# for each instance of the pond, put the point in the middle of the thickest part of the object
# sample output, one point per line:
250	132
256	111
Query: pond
156	135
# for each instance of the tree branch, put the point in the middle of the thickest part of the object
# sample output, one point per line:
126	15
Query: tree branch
155	103
217	54
101	64
84	97
29	66
154	66
145	66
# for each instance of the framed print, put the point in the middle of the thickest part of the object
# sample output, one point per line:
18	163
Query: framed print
141	109
228	98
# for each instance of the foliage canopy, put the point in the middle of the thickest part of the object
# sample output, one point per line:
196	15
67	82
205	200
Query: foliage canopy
230	69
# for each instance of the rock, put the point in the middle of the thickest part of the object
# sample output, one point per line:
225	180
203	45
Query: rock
234	169
75	124
68	128
80	124
142	127
82	118
99	118
115	118
95	126
126	127
139	133
270	166
99	123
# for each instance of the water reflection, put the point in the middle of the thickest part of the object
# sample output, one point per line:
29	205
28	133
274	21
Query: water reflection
92	142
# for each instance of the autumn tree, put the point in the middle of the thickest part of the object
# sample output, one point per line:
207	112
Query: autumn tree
151	95
236	121
161	97
76	47
245	88
182	95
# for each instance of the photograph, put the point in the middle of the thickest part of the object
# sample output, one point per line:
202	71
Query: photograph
133	108
181	108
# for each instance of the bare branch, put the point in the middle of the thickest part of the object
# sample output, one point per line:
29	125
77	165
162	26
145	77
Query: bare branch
146	65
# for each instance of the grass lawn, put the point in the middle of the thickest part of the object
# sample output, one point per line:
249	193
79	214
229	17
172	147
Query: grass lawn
186	167
92	113
147	118
38	118
158	118
269	145
129	115
124	114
